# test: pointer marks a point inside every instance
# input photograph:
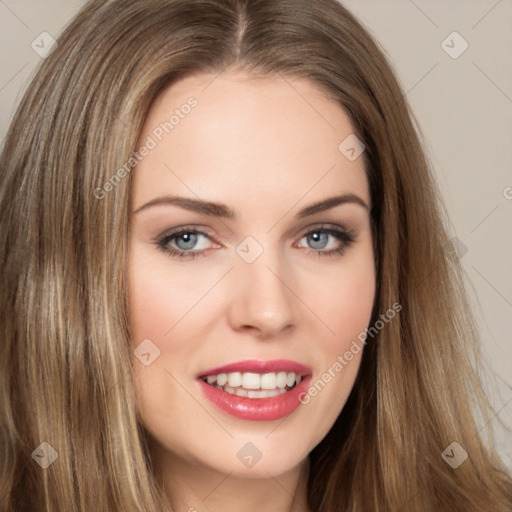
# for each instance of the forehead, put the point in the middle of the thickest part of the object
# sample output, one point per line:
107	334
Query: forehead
249	142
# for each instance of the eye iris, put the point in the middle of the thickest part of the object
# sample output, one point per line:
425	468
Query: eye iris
318	240
190	239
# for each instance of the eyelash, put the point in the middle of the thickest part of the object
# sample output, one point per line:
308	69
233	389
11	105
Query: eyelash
346	237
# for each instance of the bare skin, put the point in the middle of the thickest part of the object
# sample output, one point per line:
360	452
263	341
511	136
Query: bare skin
266	148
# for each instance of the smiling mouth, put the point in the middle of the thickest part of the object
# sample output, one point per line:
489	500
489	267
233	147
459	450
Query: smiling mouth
254	385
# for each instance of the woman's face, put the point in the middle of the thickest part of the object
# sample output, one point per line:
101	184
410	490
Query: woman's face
251	269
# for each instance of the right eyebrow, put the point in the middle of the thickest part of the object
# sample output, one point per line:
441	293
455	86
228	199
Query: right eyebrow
205	207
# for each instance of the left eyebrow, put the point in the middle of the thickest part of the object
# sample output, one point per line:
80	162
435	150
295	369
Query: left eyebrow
331	202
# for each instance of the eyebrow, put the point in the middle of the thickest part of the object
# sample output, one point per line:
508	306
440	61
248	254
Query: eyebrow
222	211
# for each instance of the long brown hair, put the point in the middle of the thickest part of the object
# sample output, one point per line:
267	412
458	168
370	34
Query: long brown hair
65	370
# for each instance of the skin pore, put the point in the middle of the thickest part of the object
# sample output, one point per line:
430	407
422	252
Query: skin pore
265	148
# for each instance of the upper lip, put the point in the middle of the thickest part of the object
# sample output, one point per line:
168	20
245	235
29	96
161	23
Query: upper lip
259	366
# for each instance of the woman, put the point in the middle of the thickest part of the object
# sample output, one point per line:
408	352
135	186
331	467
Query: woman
174	338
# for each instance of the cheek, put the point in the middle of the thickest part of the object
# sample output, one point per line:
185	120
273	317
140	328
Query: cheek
354	302
159	297
159	302
343	300
152	308
344	305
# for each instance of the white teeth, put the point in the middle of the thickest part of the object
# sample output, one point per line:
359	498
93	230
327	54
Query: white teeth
222	378
268	381
282	377
265	393
254	385
235	379
251	380
257	394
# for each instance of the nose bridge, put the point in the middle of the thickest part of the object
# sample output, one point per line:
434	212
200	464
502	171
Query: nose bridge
263	299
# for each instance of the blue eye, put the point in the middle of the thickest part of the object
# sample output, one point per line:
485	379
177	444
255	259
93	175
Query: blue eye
190	239
187	243
184	243
335	240
318	240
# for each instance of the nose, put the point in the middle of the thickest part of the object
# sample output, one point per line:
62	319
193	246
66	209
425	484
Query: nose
263	301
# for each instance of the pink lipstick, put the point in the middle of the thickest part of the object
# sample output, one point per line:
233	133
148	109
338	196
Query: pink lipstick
256	390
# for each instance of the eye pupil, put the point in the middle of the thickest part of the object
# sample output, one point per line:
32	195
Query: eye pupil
318	240
190	239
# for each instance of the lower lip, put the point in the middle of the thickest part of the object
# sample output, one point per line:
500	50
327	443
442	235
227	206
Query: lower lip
257	409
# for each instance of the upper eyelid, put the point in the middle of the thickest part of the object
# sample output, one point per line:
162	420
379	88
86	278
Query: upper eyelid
209	233
184	229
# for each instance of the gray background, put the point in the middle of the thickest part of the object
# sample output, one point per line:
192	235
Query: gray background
464	107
